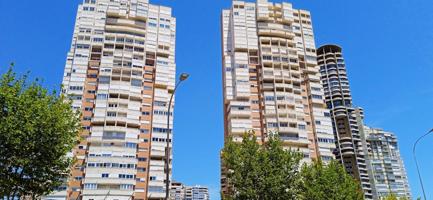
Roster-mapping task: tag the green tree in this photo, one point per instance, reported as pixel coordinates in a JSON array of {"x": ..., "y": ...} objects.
[
  {"x": 393, "y": 196},
  {"x": 390, "y": 197},
  {"x": 257, "y": 172},
  {"x": 37, "y": 130},
  {"x": 328, "y": 181}
]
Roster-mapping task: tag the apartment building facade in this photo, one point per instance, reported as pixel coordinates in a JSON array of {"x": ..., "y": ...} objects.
[
  {"x": 346, "y": 118},
  {"x": 271, "y": 81},
  {"x": 351, "y": 145},
  {"x": 389, "y": 173},
  {"x": 120, "y": 73},
  {"x": 180, "y": 191}
]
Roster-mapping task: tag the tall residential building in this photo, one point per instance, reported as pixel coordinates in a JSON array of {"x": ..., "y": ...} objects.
[
  {"x": 120, "y": 73},
  {"x": 179, "y": 191},
  {"x": 271, "y": 78},
  {"x": 351, "y": 145},
  {"x": 386, "y": 163}
]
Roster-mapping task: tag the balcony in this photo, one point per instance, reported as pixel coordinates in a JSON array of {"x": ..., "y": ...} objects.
[{"x": 276, "y": 33}]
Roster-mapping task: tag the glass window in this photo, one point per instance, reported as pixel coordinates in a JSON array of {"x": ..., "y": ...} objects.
[
  {"x": 136, "y": 82},
  {"x": 91, "y": 186},
  {"x": 104, "y": 79},
  {"x": 126, "y": 187}
]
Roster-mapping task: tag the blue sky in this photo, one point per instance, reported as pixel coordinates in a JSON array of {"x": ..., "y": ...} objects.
[{"x": 388, "y": 47}]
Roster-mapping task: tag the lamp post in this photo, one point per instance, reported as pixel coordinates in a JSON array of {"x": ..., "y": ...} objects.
[
  {"x": 416, "y": 162},
  {"x": 182, "y": 77}
]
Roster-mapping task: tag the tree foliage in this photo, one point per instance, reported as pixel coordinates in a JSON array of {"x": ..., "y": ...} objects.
[
  {"x": 393, "y": 196},
  {"x": 328, "y": 181},
  {"x": 261, "y": 171},
  {"x": 37, "y": 130}
]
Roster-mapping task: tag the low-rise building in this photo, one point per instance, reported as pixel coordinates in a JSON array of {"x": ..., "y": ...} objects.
[{"x": 180, "y": 191}]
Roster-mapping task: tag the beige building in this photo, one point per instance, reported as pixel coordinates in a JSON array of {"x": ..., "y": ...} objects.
[
  {"x": 271, "y": 78},
  {"x": 120, "y": 73}
]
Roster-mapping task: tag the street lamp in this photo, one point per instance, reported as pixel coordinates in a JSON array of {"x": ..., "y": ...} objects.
[
  {"x": 182, "y": 77},
  {"x": 416, "y": 162}
]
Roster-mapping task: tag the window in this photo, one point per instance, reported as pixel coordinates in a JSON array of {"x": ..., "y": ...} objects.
[
  {"x": 104, "y": 79},
  {"x": 130, "y": 145},
  {"x": 136, "y": 82},
  {"x": 160, "y": 103},
  {"x": 112, "y": 105},
  {"x": 314, "y": 96},
  {"x": 75, "y": 87},
  {"x": 326, "y": 158},
  {"x": 126, "y": 176},
  {"x": 157, "y": 189},
  {"x": 160, "y": 130},
  {"x": 152, "y": 178},
  {"x": 111, "y": 114},
  {"x": 75, "y": 97},
  {"x": 126, "y": 187},
  {"x": 142, "y": 159},
  {"x": 327, "y": 114},
  {"x": 326, "y": 140},
  {"x": 105, "y": 175},
  {"x": 91, "y": 186},
  {"x": 102, "y": 96},
  {"x": 301, "y": 127},
  {"x": 315, "y": 88},
  {"x": 139, "y": 42},
  {"x": 113, "y": 135},
  {"x": 83, "y": 46},
  {"x": 162, "y": 62},
  {"x": 269, "y": 98},
  {"x": 272, "y": 124},
  {"x": 98, "y": 39},
  {"x": 318, "y": 122}
]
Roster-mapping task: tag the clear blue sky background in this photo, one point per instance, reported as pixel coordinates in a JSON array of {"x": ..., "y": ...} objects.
[{"x": 388, "y": 47}]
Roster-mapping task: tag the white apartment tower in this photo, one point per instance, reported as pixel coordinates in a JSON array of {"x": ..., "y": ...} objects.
[
  {"x": 120, "y": 73},
  {"x": 271, "y": 78},
  {"x": 386, "y": 163}
]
